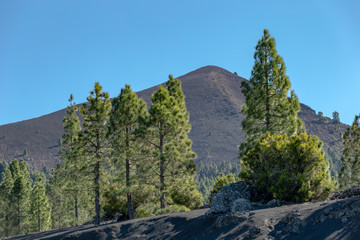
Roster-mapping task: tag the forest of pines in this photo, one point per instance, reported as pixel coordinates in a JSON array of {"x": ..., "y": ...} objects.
[{"x": 122, "y": 159}]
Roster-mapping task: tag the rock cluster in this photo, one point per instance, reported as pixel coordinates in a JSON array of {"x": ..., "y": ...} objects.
[
  {"x": 343, "y": 211},
  {"x": 229, "y": 218},
  {"x": 292, "y": 223},
  {"x": 234, "y": 197},
  {"x": 348, "y": 193}
]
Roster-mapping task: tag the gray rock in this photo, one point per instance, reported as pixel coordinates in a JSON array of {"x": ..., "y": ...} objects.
[
  {"x": 292, "y": 222},
  {"x": 240, "y": 205},
  {"x": 230, "y": 218},
  {"x": 117, "y": 217},
  {"x": 348, "y": 193},
  {"x": 347, "y": 209},
  {"x": 254, "y": 232},
  {"x": 223, "y": 200},
  {"x": 256, "y": 204},
  {"x": 273, "y": 203}
]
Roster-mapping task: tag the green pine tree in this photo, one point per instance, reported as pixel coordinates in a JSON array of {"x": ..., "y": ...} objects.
[
  {"x": 74, "y": 181},
  {"x": 124, "y": 120},
  {"x": 40, "y": 208},
  {"x": 336, "y": 119},
  {"x": 269, "y": 104},
  {"x": 168, "y": 128},
  {"x": 6, "y": 187},
  {"x": 94, "y": 137},
  {"x": 62, "y": 214},
  {"x": 20, "y": 196},
  {"x": 350, "y": 171}
]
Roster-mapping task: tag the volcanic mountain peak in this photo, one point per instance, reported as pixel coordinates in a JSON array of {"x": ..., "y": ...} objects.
[{"x": 213, "y": 99}]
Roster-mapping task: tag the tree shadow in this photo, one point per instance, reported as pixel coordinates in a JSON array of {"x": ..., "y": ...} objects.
[{"x": 330, "y": 228}]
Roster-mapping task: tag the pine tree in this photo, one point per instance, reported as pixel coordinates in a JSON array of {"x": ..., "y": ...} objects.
[
  {"x": 40, "y": 209},
  {"x": 269, "y": 106},
  {"x": 336, "y": 119},
  {"x": 60, "y": 203},
  {"x": 6, "y": 187},
  {"x": 124, "y": 119},
  {"x": 350, "y": 170},
  {"x": 3, "y": 167},
  {"x": 168, "y": 127},
  {"x": 94, "y": 136},
  {"x": 74, "y": 179},
  {"x": 20, "y": 196}
]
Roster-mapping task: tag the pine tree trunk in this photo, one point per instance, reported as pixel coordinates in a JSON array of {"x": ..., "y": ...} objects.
[
  {"x": 267, "y": 103},
  {"x": 128, "y": 184},
  {"x": 18, "y": 219},
  {"x": 7, "y": 226},
  {"x": 76, "y": 211},
  {"x": 97, "y": 191},
  {"x": 162, "y": 173},
  {"x": 38, "y": 205}
]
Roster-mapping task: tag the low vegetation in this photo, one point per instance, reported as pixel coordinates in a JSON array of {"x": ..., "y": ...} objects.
[{"x": 288, "y": 168}]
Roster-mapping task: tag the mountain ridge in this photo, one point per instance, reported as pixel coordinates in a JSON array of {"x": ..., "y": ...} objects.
[{"x": 213, "y": 98}]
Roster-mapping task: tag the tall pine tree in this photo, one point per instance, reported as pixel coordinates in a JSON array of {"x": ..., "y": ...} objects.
[
  {"x": 74, "y": 179},
  {"x": 94, "y": 137},
  {"x": 6, "y": 187},
  {"x": 168, "y": 127},
  {"x": 20, "y": 196},
  {"x": 124, "y": 120},
  {"x": 40, "y": 211},
  {"x": 350, "y": 170},
  {"x": 269, "y": 104}
]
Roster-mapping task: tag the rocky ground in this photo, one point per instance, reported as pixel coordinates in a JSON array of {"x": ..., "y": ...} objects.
[{"x": 235, "y": 218}]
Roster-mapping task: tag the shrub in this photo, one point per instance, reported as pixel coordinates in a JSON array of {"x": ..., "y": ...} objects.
[
  {"x": 185, "y": 193},
  {"x": 288, "y": 168}
]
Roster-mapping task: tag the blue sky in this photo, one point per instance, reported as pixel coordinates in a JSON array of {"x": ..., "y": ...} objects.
[{"x": 49, "y": 49}]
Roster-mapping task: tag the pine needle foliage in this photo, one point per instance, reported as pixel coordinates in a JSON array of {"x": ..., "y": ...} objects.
[
  {"x": 74, "y": 184},
  {"x": 288, "y": 168},
  {"x": 40, "y": 211},
  {"x": 94, "y": 137},
  {"x": 166, "y": 129},
  {"x": 350, "y": 171},
  {"x": 270, "y": 104},
  {"x": 126, "y": 146}
]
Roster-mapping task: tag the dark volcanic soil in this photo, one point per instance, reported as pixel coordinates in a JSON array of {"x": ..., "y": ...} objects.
[{"x": 332, "y": 219}]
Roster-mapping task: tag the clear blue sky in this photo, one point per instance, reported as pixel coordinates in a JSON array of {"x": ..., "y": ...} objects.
[{"x": 49, "y": 49}]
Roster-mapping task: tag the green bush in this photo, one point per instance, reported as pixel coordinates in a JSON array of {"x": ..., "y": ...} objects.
[
  {"x": 185, "y": 193},
  {"x": 288, "y": 168}
]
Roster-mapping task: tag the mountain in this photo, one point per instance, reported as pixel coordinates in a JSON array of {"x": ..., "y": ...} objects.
[{"x": 214, "y": 100}]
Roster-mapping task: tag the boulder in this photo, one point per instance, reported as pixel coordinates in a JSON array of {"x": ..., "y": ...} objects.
[
  {"x": 274, "y": 203},
  {"x": 224, "y": 200},
  {"x": 240, "y": 205}
]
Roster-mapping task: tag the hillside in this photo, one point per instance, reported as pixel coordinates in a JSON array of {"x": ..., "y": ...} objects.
[
  {"x": 332, "y": 219},
  {"x": 214, "y": 100}
]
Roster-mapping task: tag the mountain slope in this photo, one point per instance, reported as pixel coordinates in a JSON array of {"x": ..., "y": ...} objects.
[
  {"x": 331, "y": 219},
  {"x": 213, "y": 98}
]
